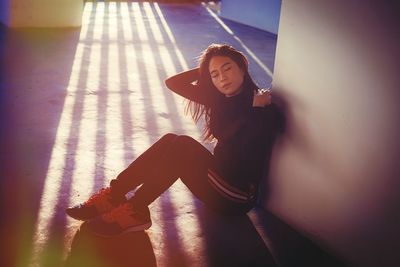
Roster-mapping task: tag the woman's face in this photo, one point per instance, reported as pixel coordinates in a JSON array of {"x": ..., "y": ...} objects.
[{"x": 226, "y": 75}]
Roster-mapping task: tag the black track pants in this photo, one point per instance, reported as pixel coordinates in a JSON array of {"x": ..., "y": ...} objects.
[{"x": 172, "y": 157}]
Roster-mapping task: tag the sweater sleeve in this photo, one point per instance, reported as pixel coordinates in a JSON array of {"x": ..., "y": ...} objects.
[
  {"x": 184, "y": 84},
  {"x": 267, "y": 118},
  {"x": 259, "y": 135},
  {"x": 261, "y": 125}
]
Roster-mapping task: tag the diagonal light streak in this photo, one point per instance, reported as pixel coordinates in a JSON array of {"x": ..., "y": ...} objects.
[
  {"x": 179, "y": 193},
  {"x": 167, "y": 64},
  {"x": 99, "y": 17},
  {"x": 57, "y": 163},
  {"x": 248, "y": 50},
  {"x": 153, "y": 80},
  {"x": 82, "y": 174},
  {"x": 56, "y": 167},
  {"x": 114, "y": 160},
  {"x": 136, "y": 96},
  {"x": 182, "y": 61}
]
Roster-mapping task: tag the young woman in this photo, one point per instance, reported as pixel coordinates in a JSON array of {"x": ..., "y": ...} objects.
[{"x": 237, "y": 114}]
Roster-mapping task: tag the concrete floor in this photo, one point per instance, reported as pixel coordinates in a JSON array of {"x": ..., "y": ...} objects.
[{"x": 78, "y": 105}]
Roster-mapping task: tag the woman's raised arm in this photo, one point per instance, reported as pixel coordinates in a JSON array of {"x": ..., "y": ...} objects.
[{"x": 184, "y": 85}]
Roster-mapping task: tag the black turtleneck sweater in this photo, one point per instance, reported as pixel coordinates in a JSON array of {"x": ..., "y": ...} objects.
[{"x": 245, "y": 134}]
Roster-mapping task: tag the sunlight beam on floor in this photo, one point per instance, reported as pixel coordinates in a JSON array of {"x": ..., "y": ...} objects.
[
  {"x": 166, "y": 54},
  {"x": 85, "y": 153},
  {"x": 84, "y": 156},
  {"x": 58, "y": 161},
  {"x": 182, "y": 61},
  {"x": 187, "y": 226},
  {"x": 87, "y": 10},
  {"x": 136, "y": 97},
  {"x": 153, "y": 24},
  {"x": 56, "y": 167},
  {"x": 186, "y": 124},
  {"x": 112, "y": 16},
  {"x": 114, "y": 153},
  {"x": 151, "y": 70}
]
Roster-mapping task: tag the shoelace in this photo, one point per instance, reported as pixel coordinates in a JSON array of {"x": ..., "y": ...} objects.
[
  {"x": 100, "y": 198},
  {"x": 120, "y": 211}
]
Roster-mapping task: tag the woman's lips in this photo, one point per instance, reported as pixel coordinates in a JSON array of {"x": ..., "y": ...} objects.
[{"x": 226, "y": 85}]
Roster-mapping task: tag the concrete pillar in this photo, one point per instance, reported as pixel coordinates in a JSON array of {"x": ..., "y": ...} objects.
[
  {"x": 41, "y": 13},
  {"x": 335, "y": 173}
]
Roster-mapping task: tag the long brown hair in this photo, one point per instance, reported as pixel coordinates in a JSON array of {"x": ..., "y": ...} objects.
[{"x": 211, "y": 92}]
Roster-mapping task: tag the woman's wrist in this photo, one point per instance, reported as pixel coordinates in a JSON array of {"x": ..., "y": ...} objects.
[{"x": 262, "y": 98}]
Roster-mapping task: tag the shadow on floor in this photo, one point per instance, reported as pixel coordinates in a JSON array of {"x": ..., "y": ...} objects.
[
  {"x": 234, "y": 241},
  {"x": 35, "y": 66},
  {"x": 289, "y": 247},
  {"x": 131, "y": 249},
  {"x": 229, "y": 241}
]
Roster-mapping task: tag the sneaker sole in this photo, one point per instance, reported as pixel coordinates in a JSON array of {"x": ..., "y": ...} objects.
[
  {"x": 137, "y": 228},
  {"x": 80, "y": 218}
]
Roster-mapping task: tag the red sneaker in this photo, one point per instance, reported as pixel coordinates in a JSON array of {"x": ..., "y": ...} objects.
[
  {"x": 120, "y": 220},
  {"x": 99, "y": 203}
]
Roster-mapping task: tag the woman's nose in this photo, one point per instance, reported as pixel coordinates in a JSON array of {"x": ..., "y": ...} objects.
[{"x": 222, "y": 77}]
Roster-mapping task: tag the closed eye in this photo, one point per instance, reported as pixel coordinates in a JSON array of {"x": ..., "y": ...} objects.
[{"x": 227, "y": 68}]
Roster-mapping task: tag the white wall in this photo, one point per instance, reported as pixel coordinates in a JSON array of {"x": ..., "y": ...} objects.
[
  {"x": 336, "y": 172},
  {"x": 42, "y": 13},
  {"x": 262, "y": 14}
]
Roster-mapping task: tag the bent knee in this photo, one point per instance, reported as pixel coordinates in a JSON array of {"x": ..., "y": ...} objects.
[
  {"x": 189, "y": 146},
  {"x": 186, "y": 140},
  {"x": 169, "y": 136}
]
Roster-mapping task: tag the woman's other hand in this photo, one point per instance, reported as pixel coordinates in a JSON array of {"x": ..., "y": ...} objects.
[{"x": 262, "y": 98}]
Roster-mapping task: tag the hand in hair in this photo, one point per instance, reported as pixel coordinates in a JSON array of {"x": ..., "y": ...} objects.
[{"x": 262, "y": 98}]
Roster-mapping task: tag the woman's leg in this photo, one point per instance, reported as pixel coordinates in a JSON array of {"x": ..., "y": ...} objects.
[
  {"x": 108, "y": 198},
  {"x": 185, "y": 158},
  {"x": 190, "y": 161},
  {"x": 134, "y": 175}
]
